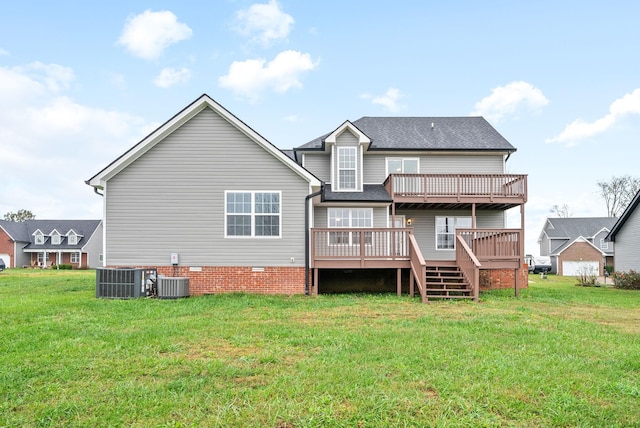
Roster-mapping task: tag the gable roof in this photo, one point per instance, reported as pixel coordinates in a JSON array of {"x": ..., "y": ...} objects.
[
  {"x": 579, "y": 239},
  {"x": 425, "y": 133},
  {"x": 204, "y": 101},
  {"x": 573, "y": 227},
  {"x": 624, "y": 217},
  {"x": 24, "y": 231}
]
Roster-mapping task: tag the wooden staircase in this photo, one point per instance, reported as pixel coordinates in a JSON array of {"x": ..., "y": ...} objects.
[{"x": 446, "y": 282}]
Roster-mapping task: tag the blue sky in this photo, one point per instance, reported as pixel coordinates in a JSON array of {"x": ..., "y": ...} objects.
[{"x": 81, "y": 82}]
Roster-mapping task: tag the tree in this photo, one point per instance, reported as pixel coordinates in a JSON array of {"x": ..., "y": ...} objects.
[
  {"x": 618, "y": 193},
  {"x": 561, "y": 211},
  {"x": 19, "y": 216}
]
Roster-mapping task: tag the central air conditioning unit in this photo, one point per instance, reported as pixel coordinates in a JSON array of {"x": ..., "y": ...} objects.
[
  {"x": 173, "y": 288},
  {"x": 125, "y": 283}
]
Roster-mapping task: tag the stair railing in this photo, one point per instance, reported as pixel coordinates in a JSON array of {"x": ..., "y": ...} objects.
[
  {"x": 418, "y": 267},
  {"x": 469, "y": 266}
]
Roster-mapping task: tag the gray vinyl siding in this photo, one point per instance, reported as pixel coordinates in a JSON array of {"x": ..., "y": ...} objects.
[
  {"x": 21, "y": 258},
  {"x": 627, "y": 251},
  {"x": 94, "y": 248},
  {"x": 320, "y": 216},
  {"x": 319, "y": 164},
  {"x": 544, "y": 246},
  {"x": 374, "y": 168},
  {"x": 172, "y": 199},
  {"x": 375, "y": 165},
  {"x": 424, "y": 228},
  {"x": 462, "y": 164}
]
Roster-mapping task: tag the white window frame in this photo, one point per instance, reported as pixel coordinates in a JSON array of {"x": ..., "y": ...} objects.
[
  {"x": 75, "y": 258},
  {"x": 56, "y": 238},
  {"x": 39, "y": 238},
  {"x": 402, "y": 167},
  {"x": 339, "y": 153},
  {"x": 41, "y": 259},
  {"x": 253, "y": 214},
  {"x": 347, "y": 223},
  {"x": 604, "y": 245},
  {"x": 455, "y": 220},
  {"x": 72, "y": 238}
]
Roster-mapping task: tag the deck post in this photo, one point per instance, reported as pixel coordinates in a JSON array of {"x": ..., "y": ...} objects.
[
  {"x": 517, "y": 282},
  {"x": 411, "y": 283},
  {"x": 315, "y": 282},
  {"x": 399, "y": 282}
]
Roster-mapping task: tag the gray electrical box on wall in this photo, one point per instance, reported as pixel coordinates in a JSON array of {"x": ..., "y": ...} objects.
[{"x": 174, "y": 258}]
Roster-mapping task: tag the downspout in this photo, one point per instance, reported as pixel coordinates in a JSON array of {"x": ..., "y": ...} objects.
[
  {"x": 95, "y": 190},
  {"x": 307, "y": 231}
]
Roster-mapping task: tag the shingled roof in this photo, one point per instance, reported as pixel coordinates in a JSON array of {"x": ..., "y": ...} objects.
[
  {"x": 23, "y": 232},
  {"x": 573, "y": 227},
  {"x": 426, "y": 133}
]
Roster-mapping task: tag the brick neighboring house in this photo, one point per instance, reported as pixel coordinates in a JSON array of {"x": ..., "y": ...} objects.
[
  {"x": 46, "y": 243},
  {"x": 577, "y": 243},
  {"x": 413, "y": 197}
]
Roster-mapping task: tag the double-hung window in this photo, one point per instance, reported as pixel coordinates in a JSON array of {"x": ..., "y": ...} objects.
[
  {"x": 446, "y": 231},
  {"x": 72, "y": 238},
  {"x": 252, "y": 214},
  {"x": 75, "y": 258},
  {"x": 347, "y": 168},
  {"x": 55, "y": 238},
  {"x": 350, "y": 218}
]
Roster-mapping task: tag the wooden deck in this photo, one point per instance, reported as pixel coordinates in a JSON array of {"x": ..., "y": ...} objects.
[
  {"x": 501, "y": 191},
  {"x": 397, "y": 248}
]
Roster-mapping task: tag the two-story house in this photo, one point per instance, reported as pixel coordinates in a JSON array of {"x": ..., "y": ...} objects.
[
  {"x": 577, "y": 245},
  {"x": 46, "y": 243},
  {"x": 425, "y": 195},
  {"x": 420, "y": 197}
]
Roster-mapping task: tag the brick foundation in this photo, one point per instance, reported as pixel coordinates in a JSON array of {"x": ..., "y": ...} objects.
[
  {"x": 238, "y": 279},
  {"x": 492, "y": 279}
]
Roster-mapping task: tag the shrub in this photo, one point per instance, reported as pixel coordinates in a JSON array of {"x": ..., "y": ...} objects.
[
  {"x": 64, "y": 267},
  {"x": 587, "y": 278},
  {"x": 627, "y": 280}
]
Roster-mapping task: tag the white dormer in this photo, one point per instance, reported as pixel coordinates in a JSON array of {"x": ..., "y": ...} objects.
[
  {"x": 55, "y": 237},
  {"x": 72, "y": 237},
  {"x": 38, "y": 237},
  {"x": 347, "y": 144}
]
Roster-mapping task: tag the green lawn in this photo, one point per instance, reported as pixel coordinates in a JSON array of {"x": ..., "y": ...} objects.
[{"x": 560, "y": 355}]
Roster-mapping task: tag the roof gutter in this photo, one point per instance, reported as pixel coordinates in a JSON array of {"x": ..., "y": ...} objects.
[{"x": 307, "y": 232}]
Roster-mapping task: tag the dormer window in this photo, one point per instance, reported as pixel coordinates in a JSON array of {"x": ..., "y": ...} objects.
[
  {"x": 72, "y": 237},
  {"x": 39, "y": 237},
  {"x": 347, "y": 161},
  {"x": 55, "y": 237}
]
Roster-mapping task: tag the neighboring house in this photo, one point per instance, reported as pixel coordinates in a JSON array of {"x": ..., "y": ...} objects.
[
  {"x": 46, "y": 243},
  {"x": 414, "y": 196},
  {"x": 577, "y": 245},
  {"x": 625, "y": 235}
]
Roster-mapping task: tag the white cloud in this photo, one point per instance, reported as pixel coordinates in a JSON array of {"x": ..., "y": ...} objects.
[
  {"x": 579, "y": 129},
  {"x": 249, "y": 78},
  {"x": 148, "y": 34},
  {"x": 50, "y": 143},
  {"x": 508, "y": 99},
  {"x": 170, "y": 76},
  {"x": 4, "y": 52},
  {"x": 389, "y": 100},
  {"x": 264, "y": 23}
]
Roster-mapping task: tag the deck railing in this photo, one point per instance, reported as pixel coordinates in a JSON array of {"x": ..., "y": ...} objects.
[
  {"x": 427, "y": 186},
  {"x": 360, "y": 243},
  {"x": 493, "y": 244},
  {"x": 418, "y": 268}
]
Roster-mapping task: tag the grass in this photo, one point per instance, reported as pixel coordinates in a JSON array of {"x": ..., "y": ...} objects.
[{"x": 560, "y": 355}]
